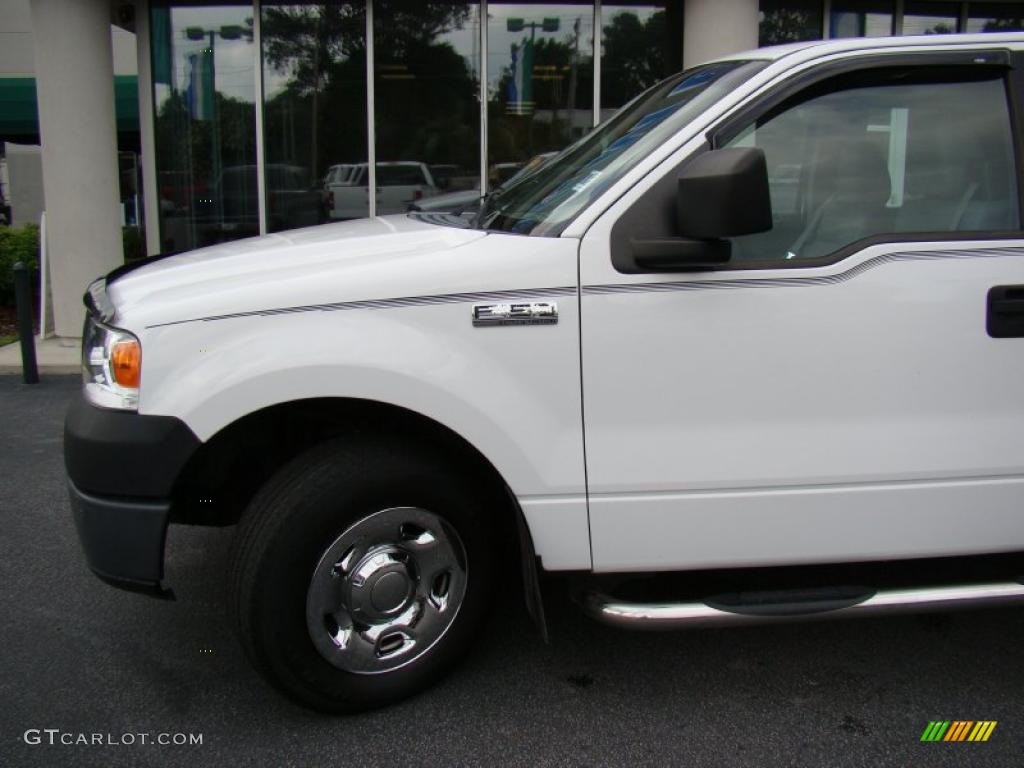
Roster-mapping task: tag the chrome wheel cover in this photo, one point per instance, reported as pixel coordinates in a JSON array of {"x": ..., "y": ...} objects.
[{"x": 386, "y": 590}]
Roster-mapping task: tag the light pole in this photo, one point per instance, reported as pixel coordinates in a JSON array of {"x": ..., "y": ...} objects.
[{"x": 547, "y": 24}]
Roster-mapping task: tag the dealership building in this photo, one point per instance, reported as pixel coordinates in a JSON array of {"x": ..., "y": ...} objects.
[{"x": 182, "y": 124}]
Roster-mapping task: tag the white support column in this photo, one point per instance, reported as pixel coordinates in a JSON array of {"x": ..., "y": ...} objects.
[
  {"x": 715, "y": 28},
  {"x": 484, "y": 95},
  {"x": 261, "y": 157},
  {"x": 598, "y": 34},
  {"x": 371, "y": 117},
  {"x": 75, "y": 92},
  {"x": 150, "y": 188}
]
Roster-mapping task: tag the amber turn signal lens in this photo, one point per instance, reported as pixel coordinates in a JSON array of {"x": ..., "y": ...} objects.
[{"x": 126, "y": 362}]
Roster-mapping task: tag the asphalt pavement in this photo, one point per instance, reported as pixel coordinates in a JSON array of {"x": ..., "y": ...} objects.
[{"x": 81, "y": 661}]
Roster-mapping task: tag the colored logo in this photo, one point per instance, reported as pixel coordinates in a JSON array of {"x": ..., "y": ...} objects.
[{"x": 958, "y": 730}]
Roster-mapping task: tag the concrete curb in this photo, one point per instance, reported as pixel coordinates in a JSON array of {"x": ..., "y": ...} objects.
[
  {"x": 52, "y": 370},
  {"x": 54, "y": 356}
]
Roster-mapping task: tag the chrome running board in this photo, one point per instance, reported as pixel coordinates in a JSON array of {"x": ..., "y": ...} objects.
[{"x": 763, "y": 608}]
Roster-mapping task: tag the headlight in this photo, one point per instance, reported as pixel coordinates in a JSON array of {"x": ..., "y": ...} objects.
[{"x": 111, "y": 366}]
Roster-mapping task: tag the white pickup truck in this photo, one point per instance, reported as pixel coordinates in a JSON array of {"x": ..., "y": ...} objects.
[
  {"x": 625, "y": 363},
  {"x": 399, "y": 185}
]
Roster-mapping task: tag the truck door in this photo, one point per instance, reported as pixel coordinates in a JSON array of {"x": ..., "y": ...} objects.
[{"x": 850, "y": 386}]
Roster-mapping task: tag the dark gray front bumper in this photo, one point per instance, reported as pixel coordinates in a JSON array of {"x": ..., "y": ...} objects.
[
  {"x": 122, "y": 468},
  {"x": 123, "y": 539}
]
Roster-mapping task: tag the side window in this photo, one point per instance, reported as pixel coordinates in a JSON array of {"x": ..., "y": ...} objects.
[{"x": 915, "y": 150}]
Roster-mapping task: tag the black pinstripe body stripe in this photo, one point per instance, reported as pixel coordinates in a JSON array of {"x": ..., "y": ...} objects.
[
  {"x": 396, "y": 303},
  {"x": 612, "y": 288}
]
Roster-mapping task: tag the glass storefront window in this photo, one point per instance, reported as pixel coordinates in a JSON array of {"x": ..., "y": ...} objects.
[
  {"x": 314, "y": 84},
  {"x": 427, "y": 94},
  {"x": 540, "y": 82},
  {"x": 427, "y": 89},
  {"x": 640, "y": 45},
  {"x": 995, "y": 17},
  {"x": 204, "y": 85},
  {"x": 789, "y": 21},
  {"x": 861, "y": 18}
]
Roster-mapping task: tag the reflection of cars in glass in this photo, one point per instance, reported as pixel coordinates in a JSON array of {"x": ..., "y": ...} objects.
[
  {"x": 399, "y": 184},
  {"x": 180, "y": 190},
  {"x": 468, "y": 198},
  {"x": 462, "y": 200},
  {"x": 444, "y": 173},
  {"x": 232, "y": 207},
  {"x": 340, "y": 173},
  {"x": 623, "y": 366},
  {"x": 292, "y": 201},
  {"x": 502, "y": 172}
]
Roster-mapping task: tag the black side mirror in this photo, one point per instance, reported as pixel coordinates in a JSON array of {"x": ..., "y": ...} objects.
[
  {"x": 724, "y": 193},
  {"x": 720, "y": 194}
]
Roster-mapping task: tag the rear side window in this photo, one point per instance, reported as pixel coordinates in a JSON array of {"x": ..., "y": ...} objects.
[{"x": 884, "y": 152}]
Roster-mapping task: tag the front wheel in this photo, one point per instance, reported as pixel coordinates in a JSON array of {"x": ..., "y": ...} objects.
[{"x": 361, "y": 574}]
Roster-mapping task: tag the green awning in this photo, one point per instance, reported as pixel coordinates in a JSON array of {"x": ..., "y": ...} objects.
[{"x": 19, "y": 116}]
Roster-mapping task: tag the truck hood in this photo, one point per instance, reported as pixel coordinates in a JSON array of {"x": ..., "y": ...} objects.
[{"x": 366, "y": 259}]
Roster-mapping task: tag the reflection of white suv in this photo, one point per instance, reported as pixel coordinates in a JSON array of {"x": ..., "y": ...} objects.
[
  {"x": 622, "y": 365},
  {"x": 336, "y": 174},
  {"x": 399, "y": 185}
]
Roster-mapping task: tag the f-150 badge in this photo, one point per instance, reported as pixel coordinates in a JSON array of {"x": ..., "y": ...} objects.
[{"x": 521, "y": 313}]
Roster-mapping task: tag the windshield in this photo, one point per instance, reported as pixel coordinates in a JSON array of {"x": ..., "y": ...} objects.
[{"x": 544, "y": 201}]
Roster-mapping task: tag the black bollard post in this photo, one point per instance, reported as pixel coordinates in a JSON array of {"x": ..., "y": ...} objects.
[{"x": 23, "y": 300}]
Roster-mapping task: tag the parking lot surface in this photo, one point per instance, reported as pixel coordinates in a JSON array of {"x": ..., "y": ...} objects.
[{"x": 85, "y": 659}]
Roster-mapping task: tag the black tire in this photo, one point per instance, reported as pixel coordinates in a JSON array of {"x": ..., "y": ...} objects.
[{"x": 289, "y": 525}]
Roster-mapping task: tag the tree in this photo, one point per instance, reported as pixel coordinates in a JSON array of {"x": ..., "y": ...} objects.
[
  {"x": 321, "y": 48},
  {"x": 634, "y": 56},
  {"x": 786, "y": 25},
  {"x": 303, "y": 41},
  {"x": 519, "y": 137},
  {"x": 1006, "y": 24}
]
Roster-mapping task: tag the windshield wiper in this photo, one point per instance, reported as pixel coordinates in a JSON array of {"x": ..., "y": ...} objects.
[
  {"x": 488, "y": 197},
  {"x": 478, "y": 201}
]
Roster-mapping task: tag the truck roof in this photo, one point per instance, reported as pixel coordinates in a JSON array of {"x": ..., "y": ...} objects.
[{"x": 826, "y": 47}]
